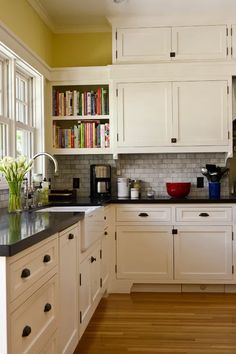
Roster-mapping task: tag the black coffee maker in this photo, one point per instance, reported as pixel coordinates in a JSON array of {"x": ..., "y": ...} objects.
[{"x": 100, "y": 181}]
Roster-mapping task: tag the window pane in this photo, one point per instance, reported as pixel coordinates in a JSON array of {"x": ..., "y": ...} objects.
[
  {"x": 23, "y": 143},
  {"x": 22, "y": 100},
  {"x": 3, "y": 140}
]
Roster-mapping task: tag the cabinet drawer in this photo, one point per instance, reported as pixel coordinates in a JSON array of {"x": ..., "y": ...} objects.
[
  {"x": 34, "y": 321},
  {"x": 204, "y": 215},
  {"x": 27, "y": 269},
  {"x": 143, "y": 213}
]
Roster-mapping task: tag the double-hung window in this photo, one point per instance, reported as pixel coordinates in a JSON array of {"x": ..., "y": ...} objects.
[{"x": 21, "y": 107}]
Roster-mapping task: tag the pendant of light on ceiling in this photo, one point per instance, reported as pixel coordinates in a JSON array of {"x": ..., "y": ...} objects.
[{"x": 118, "y": 1}]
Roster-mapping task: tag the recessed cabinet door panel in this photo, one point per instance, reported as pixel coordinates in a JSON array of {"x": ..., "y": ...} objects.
[
  {"x": 200, "y": 114},
  {"x": 199, "y": 42},
  {"x": 144, "y": 114},
  {"x": 143, "y": 44},
  {"x": 203, "y": 253},
  {"x": 144, "y": 252}
]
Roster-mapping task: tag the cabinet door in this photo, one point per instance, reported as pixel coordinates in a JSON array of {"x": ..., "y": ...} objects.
[
  {"x": 233, "y": 43},
  {"x": 203, "y": 253},
  {"x": 105, "y": 260},
  {"x": 85, "y": 299},
  {"x": 68, "y": 330},
  {"x": 143, "y": 44},
  {"x": 200, "y": 114},
  {"x": 144, "y": 252},
  {"x": 199, "y": 42},
  {"x": 144, "y": 114}
]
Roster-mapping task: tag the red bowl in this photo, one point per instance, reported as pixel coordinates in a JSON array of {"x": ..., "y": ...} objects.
[{"x": 178, "y": 189}]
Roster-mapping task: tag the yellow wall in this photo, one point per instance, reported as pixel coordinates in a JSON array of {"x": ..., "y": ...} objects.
[
  {"x": 21, "y": 19},
  {"x": 57, "y": 50},
  {"x": 82, "y": 49}
]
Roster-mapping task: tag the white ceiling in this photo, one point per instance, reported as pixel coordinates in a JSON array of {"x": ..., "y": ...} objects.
[{"x": 92, "y": 15}]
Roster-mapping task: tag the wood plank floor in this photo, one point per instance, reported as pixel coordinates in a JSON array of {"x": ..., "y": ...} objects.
[{"x": 146, "y": 323}]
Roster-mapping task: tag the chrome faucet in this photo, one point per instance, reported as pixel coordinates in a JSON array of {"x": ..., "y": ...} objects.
[{"x": 42, "y": 154}]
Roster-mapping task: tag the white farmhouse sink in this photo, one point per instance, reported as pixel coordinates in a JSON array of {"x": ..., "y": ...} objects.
[
  {"x": 55, "y": 209},
  {"x": 92, "y": 225}
]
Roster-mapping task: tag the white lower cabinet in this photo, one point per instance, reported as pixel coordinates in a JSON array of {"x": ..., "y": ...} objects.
[
  {"x": 144, "y": 252},
  {"x": 68, "y": 290},
  {"x": 203, "y": 253},
  {"x": 194, "y": 245},
  {"x": 90, "y": 285}
]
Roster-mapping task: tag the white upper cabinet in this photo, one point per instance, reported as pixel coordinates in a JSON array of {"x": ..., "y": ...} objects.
[
  {"x": 170, "y": 116},
  {"x": 200, "y": 113},
  {"x": 143, "y": 44},
  {"x": 199, "y": 42},
  {"x": 144, "y": 114},
  {"x": 153, "y": 44}
]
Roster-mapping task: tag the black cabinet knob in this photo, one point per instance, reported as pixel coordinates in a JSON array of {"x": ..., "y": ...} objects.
[
  {"x": 25, "y": 273},
  {"x": 70, "y": 236},
  {"x": 46, "y": 258},
  {"x": 93, "y": 259},
  {"x": 143, "y": 215},
  {"x": 105, "y": 233},
  {"x": 26, "y": 331},
  {"x": 204, "y": 215},
  {"x": 47, "y": 307},
  {"x": 173, "y": 140}
]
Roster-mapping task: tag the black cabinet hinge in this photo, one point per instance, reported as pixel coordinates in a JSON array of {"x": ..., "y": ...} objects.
[
  {"x": 227, "y": 51},
  {"x": 174, "y": 231},
  {"x": 116, "y": 268},
  {"x": 116, "y": 54},
  {"x": 232, "y": 236},
  {"x": 231, "y": 50},
  {"x": 227, "y": 89},
  {"x": 100, "y": 282},
  {"x": 115, "y": 235},
  {"x": 80, "y": 279},
  {"x": 231, "y": 31},
  {"x": 116, "y": 35},
  {"x": 232, "y": 269},
  {"x": 80, "y": 317},
  {"x": 117, "y": 92},
  {"x": 100, "y": 254},
  {"x": 227, "y": 31}
]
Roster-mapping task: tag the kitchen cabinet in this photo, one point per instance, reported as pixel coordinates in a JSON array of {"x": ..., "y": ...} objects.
[
  {"x": 177, "y": 244},
  {"x": 172, "y": 116},
  {"x": 68, "y": 289},
  {"x": 90, "y": 284},
  {"x": 203, "y": 253},
  {"x": 180, "y": 43},
  {"x": 144, "y": 252},
  {"x": 32, "y": 300}
]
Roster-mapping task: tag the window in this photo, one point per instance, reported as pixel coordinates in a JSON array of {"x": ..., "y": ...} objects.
[{"x": 21, "y": 107}]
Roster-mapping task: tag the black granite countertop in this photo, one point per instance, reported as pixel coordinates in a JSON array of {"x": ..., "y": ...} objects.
[{"x": 19, "y": 231}]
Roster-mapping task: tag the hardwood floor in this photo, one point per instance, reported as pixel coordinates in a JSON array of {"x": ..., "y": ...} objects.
[{"x": 162, "y": 323}]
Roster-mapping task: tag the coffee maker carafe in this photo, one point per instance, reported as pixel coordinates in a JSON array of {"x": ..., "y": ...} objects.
[{"x": 100, "y": 181}]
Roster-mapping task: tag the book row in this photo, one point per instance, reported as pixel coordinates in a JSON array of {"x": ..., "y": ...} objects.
[
  {"x": 75, "y": 103},
  {"x": 82, "y": 135}
]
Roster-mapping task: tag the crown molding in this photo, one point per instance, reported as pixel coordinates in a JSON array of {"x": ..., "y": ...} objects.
[
  {"x": 82, "y": 29},
  {"x": 41, "y": 11},
  {"x": 8, "y": 38}
]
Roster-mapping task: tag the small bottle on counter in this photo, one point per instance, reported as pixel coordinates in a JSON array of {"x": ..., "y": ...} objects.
[{"x": 134, "y": 193}]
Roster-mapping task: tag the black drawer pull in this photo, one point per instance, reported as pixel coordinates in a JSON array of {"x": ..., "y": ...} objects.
[
  {"x": 46, "y": 258},
  {"x": 26, "y": 331},
  {"x": 25, "y": 273},
  {"x": 47, "y": 307},
  {"x": 105, "y": 233},
  {"x": 93, "y": 259},
  {"x": 143, "y": 214},
  {"x": 204, "y": 215},
  {"x": 71, "y": 236}
]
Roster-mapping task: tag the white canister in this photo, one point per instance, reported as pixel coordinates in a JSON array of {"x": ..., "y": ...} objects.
[
  {"x": 134, "y": 193},
  {"x": 123, "y": 187}
]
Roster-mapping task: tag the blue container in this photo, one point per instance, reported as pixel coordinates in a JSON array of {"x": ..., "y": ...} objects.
[{"x": 214, "y": 190}]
